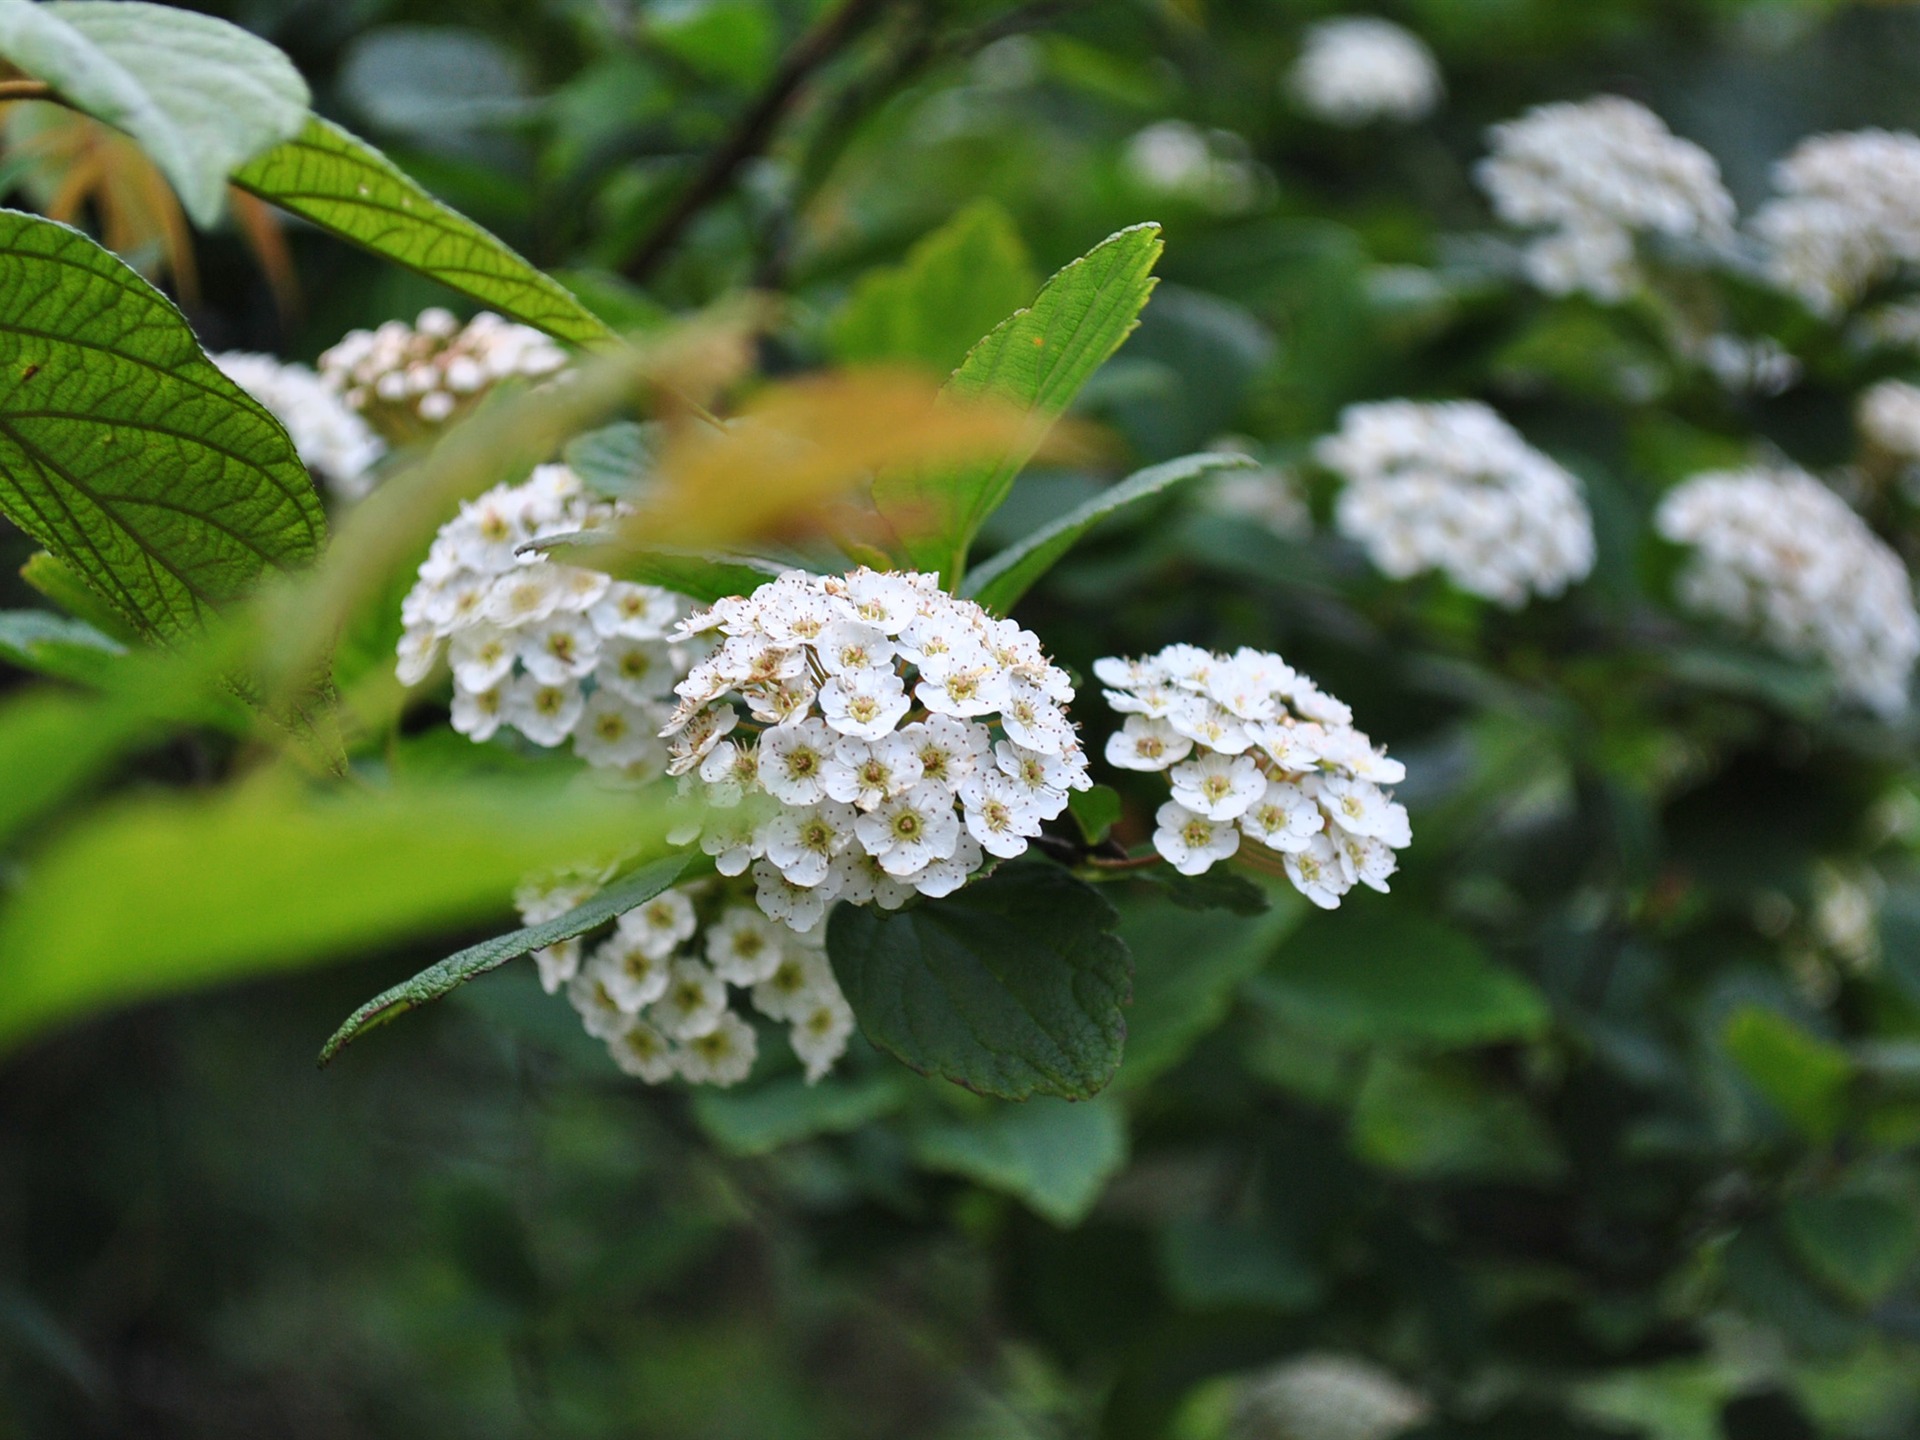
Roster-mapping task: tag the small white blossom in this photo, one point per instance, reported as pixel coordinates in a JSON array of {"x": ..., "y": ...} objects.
[
  {"x": 1219, "y": 787},
  {"x": 1846, "y": 217},
  {"x": 692, "y": 1003},
  {"x": 408, "y": 381},
  {"x": 643, "y": 1052},
  {"x": 1358, "y": 69},
  {"x": 744, "y": 947},
  {"x": 660, "y": 925},
  {"x": 721, "y": 1056},
  {"x": 1192, "y": 843},
  {"x": 820, "y": 1032}
]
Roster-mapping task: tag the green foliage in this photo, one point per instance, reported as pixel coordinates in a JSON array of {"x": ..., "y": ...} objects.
[
  {"x": 1860, "y": 1243},
  {"x": 784, "y": 1111},
  {"x": 1001, "y": 581},
  {"x": 1038, "y": 359},
  {"x": 201, "y": 96},
  {"x": 1012, "y": 987},
  {"x": 102, "y": 368},
  {"x": 955, "y": 285},
  {"x": 476, "y": 960},
  {"x": 56, "y": 647},
  {"x": 1434, "y": 1120},
  {"x": 1804, "y": 1077},
  {"x": 1055, "y": 1156},
  {"x": 340, "y": 183}
]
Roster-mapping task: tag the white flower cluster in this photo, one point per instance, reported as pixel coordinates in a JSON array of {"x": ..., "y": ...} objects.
[
  {"x": 408, "y": 380},
  {"x": 1779, "y": 553},
  {"x": 1593, "y": 176},
  {"x": 1847, "y": 216},
  {"x": 1359, "y": 69},
  {"x": 1257, "y": 751},
  {"x": 659, "y": 988},
  {"x": 1450, "y": 486},
  {"x": 1321, "y": 1395},
  {"x": 1211, "y": 168},
  {"x": 330, "y": 439},
  {"x": 1889, "y": 416},
  {"x": 554, "y": 651},
  {"x": 892, "y": 738}
]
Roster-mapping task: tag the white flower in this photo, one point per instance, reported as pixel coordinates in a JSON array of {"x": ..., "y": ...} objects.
[
  {"x": 481, "y": 657},
  {"x": 632, "y": 973},
  {"x": 1219, "y": 787},
  {"x": 643, "y": 1052},
  {"x": 1317, "y": 873},
  {"x": 729, "y": 771},
  {"x": 418, "y": 649},
  {"x": 557, "y": 964},
  {"x": 1778, "y": 553},
  {"x": 1593, "y": 176},
  {"x": 1889, "y": 416},
  {"x": 820, "y": 1033},
  {"x": 859, "y": 879},
  {"x": 721, "y": 1056},
  {"x": 911, "y": 830},
  {"x": 1146, "y": 744},
  {"x": 693, "y": 1002},
  {"x": 802, "y": 842},
  {"x": 409, "y": 380},
  {"x": 659, "y": 925},
  {"x": 1357, "y": 69},
  {"x": 331, "y": 440},
  {"x": 864, "y": 704},
  {"x": 733, "y": 838},
  {"x": 1358, "y": 806},
  {"x": 633, "y": 612},
  {"x": 743, "y": 947},
  {"x": 1285, "y": 818},
  {"x": 1847, "y": 216},
  {"x": 799, "y": 907},
  {"x": 794, "y": 761},
  {"x": 615, "y": 733},
  {"x": 948, "y": 750},
  {"x": 600, "y": 1012},
  {"x": 545, "y": 714},
  {"x": 800, "y": 980},
  {"x": 476, "y": 714},
  {"x": 1450, "y": 486},
  {"x": 863, "y": 773},
  {"x": 1192, "y": 843},
  {"x": 558, "y": 649},
  {"x": 853, "y": 648},
  {"x": 999, "y": 813},
  {"x": 524, "y": 596}
]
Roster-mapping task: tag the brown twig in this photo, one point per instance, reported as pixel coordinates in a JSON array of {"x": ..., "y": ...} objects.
[
  {"x": 25, "y": 90},
  {"x": 811, "y": 51}
]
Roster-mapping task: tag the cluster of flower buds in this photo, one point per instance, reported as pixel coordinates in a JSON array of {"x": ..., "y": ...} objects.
[
  {"x": 331, "y": 440},
  {"x": 660, "y": 988},
  {"x": 409, "y": 380},
  {"x": 553, "y": 651},
  {"x": 866, "y": 737},
  {"x": 1256, "y": 751}
]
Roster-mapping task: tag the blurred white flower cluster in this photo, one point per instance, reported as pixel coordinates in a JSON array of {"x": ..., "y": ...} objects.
[
  {"x": 1450, "y": 486},
  {"x": 1889, "y": 415},
  {"x": 553, "y": 651},
  {"x": 892, "y": 738},
  {"x": 409, "y": 379},
  {"x": 1847, "y": 216},
  {"x": 1210, "y": 168},
  {"x": 1595, "y": 175},
  {"x": 1257, "y": 751},
  {"x": 659, "y": 989},
  {"x": 332, "y": 441},
  {"x": 1359, "y": 69},
  {"x": 1324, "y": 1395},
  {"x": 1777, "y": 552}
]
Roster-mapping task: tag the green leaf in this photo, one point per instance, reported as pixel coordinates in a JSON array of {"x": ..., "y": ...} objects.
[
  {"x": 56, "y": 580},
  {"x": 702, "y": 574},
  {"x": 955, "y": 285},
  {"x": 788, "y": 1110},
  {"x": 201, "y": 96},
  {"x": 476, "y": 960},
  {"x": 1440, "y": 1119},
  {"x": 1186, "y": 970},
  {"x": 1217, "y": 889},
  {"x": 1762, "y": 1274},
  {"x": 1038, "y": 359},
  {"x": 1053, "y": 1155},
  {"x": 55, "y": 646},
  {"x": 1804, "y": 1077},
  {"x": 155, "y": 895},
  {"x": 1377, "y": 975},
  {"x": 1001, "y": 581},
  {"x": 1860, "y": 1244},
  {"x": 1012, "y": 987},
  {"x": 342, "y": 184},
  {"x": 1212, "y": 1264},
  {"x": 1096, "y": 810},
  {"x": 614, "y": 460},
  {"x": 124, "y": 450}
]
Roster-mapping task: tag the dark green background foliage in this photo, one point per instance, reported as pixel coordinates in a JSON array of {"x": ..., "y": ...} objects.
[{"x": 1589, "y": 1130}]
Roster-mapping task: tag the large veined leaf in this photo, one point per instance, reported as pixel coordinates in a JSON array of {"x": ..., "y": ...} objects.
[
  {"x": 124, "y": 450},
  {"x": 476, "y": 960},
  {"x": 954, "y": 287},
  {"x": 1010, "y": 574},
  {"x": 342, "y": 184},
  {"x": 1055, "y": 1156},
  {"x": 201, "y": 96},
  {"x": 155, "y": 895},
  {"x": 1038, "y": 359},
  {"x": 1012, "y": 987}
]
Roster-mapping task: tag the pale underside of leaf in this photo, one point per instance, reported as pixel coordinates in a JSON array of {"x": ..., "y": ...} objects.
[
  {"x": 124, "y": 450},
  {"x": 344, "y": 185}
]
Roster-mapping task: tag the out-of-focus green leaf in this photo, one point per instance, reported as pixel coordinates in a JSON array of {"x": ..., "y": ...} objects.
[
  {"x": 1804, "y": 1077},
  {"x": 1095, "y": 810},
  {"x": 730, "y": 40},
  {"x": 1000, "y": 582},
  {"x": 1218, "y": 889},
  {"x": 161, "y": 894},
  {"x": 1212, "y": 1264},
  {"x": 614, "y": 460},
  {"x": 1186, "y": 968},
  {"x": 55, "y": 646},
  {"x": 456, "y": 970},
  {"x": 55, "y": 579},
  {"x": 1379, "y": 974},
  {"x": 788, "y": 1110},
  {"x": 200, "y": 95},
  {"x": 1011, "y": 987},
  {"x": 1762, "y": 1275},
  {"x": 124, "y": 450},
  {"x": 954, "y": 287},
  {"x": 1055, "y": 1156},
  {"x": 1860, "y": 1243},
  {"x": 1439, "y": 1119},
  {"x": 1037, "y": 359},
  {"x": 432, "y": 82},
  {"x": 703, "y": 574},
  {"x": 344, "y": 185}
]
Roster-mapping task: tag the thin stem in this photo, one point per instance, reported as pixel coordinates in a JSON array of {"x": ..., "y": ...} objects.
[
  {"x": 25, "y": 90},
  {"x": 1119, "y": 867}
]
